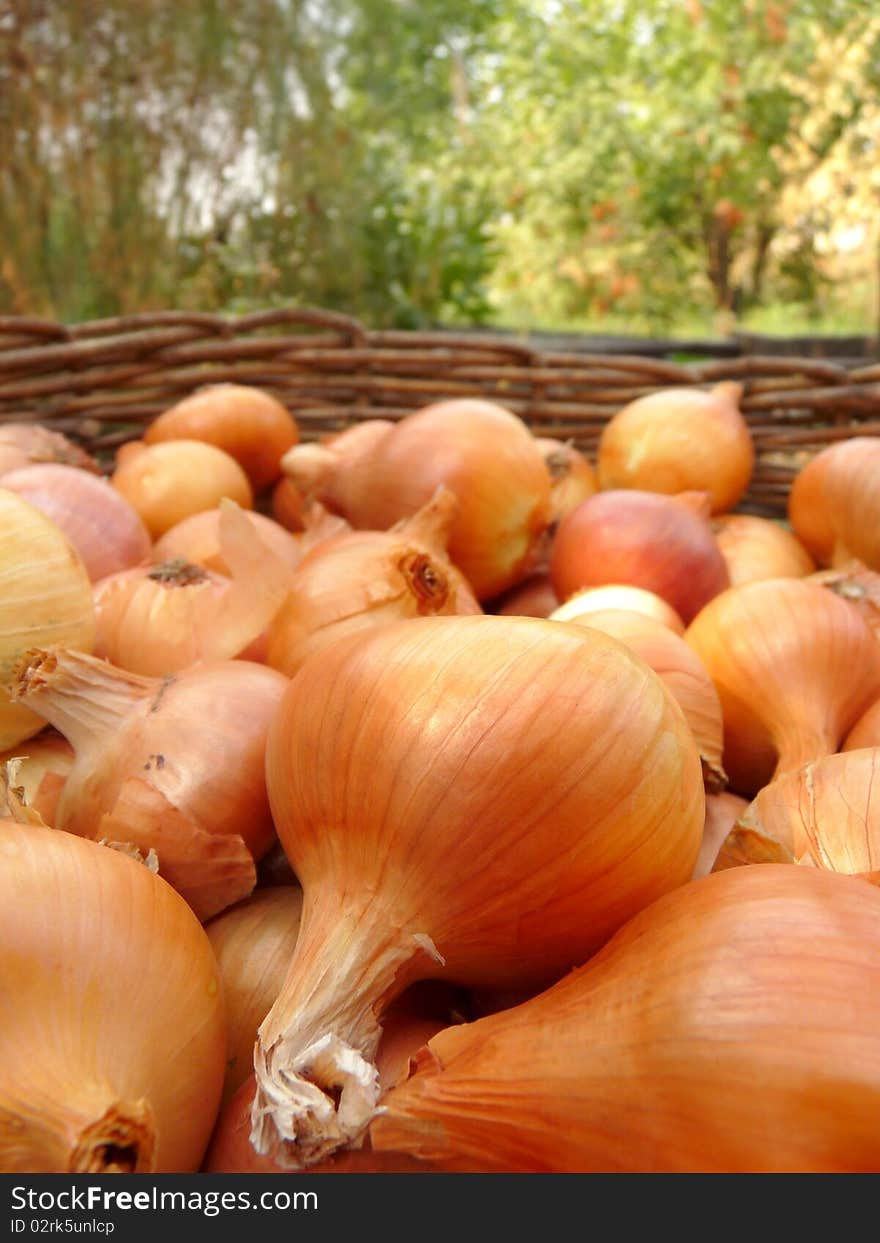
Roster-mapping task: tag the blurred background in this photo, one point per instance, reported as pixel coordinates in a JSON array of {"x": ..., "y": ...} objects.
[{"x": 698, "y": 167}]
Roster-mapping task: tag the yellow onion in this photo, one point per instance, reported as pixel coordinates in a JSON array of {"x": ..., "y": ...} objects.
[
  {"x": 45, "y": 598},
  {"x": 112, "y": 1040},
  {"x": 198, "y": 541},
  {"x": 834, "y": 504},
  {"x": 826, "y": 815},
  {"x": 572, "y": 478},
  {"x": 364, "y": 579},
  {"x": 287, "y": 505},
  {"x": 755, "y": 548},
  {"x": 732, "y": 1027},
  {"x": 249, "y": 424},
  {"x": 167, "y": 482},
  {"x": 679, "y": 440},
  {"x": 479, "y": 450},
  {"x": 794, "y": 667},
  {"x": 681, "y": 672},
  {"x": 253, "y": 942},
  {"x": 547, "y": 756},
  {"x": 619, "y": 596},
  {"x": 858, "y": 585},
  {"x": 806, "y": 509},
  {"x": 43, "y": 764},
  {"x": 174, "y": 764}
]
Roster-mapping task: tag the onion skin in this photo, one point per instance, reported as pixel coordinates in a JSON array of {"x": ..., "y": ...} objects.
[
  {"x": 732, "y": 1027},
  {"x": 197, "y": 540},
  {"x": 722, "y": 813},
  {"x": 253, "y": 942},
  {"x": 44, "y": 763},
  {"x": 680, "y": 440},
  {"x": 173, "y": 764},
  {"x": 533, "y": 598},
  {"x": 104, "y": 529},
  {"x": 755, "y": 548},
  {"x": 437, "y": 739},
  {"x": 618, "y": 596},
  {"x": 287, "y": 505},
  {"x": 249, "y": 424},
  {"x": 111, "y": 1020},
  {"x": 794, "y": 667},
  {"x": 856, "y": 584},
  {"x": 480, "y": 451},
  {"x": 807, "y": 511},
  {"x": 850, "y": 494},
  {"x": 866, "y": 731},
  {"x": 167, "y": 482},
  {"x": 641, "y": 539}
]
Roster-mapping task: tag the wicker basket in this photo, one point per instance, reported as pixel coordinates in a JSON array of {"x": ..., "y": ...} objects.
[{"x": 99, "y": 382}]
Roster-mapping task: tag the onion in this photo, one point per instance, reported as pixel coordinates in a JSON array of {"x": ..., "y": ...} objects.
[
  {"x": 253, "y": 942},
  {"x": 175, "y": 764},
  {"x": 866, "y": 731},
  {"x": 681, "y": 672},
  {"x": 45, "y": 597},
  {"x": 366, "y": 579},
  {"x": 722, "y": 811},
  {"x": 806, "y": 509},
  {"x": 834, "y": 503},
  {"x": 546, "y": 755},
  {"x": 572, "y": 478},
  {"x": 619, "y": 596},
  {"x": 43, "y": 765},
  {"x": 111, "y": 1023},
  {"x": 480, "y": 451},
  {"x": 23, "y": 444},
  {"x": 197, "y": 540},
  {"x": 100, "y": 524},
  {"x": 678, "y": 440},
  {"x": 755, "y": 548},
  {"x": 250, "y": 425},
  {"x": 287, "y": 505},
  {"x": 794, "y": 666},
  {"x": 856, "y": 584},
  {"x": 534, "y": 597},
  {"x": 733, "y": 1026},
  {"x": 167, "y": 482},
  {"x": 641, "y": 539},
  {"x": 826, "y": 815}
]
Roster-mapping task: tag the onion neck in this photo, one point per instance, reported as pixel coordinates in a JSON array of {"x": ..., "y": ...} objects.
[
  {"x": 78, "y": 1133},
  {"x": 800, "y": 742},
  {"x": 84, "y": 698},
  {"x": 317, "y": 1083}
]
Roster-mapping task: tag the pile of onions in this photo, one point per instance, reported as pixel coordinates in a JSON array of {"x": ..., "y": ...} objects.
[
  {"x": 826, "y": 815},
  {"x": 678, "y": 440},
  {"x": 619, "y": 597},
  {"x": 641, "y": 539},
  {"x": 24, "y": 444},
  {"x": 733, "y": 1026},
  {"x": 253, "y": 942},
  {"x": 167, "y": 482},
  {"x": 366, "y": 579},
  {"x": 45, "y": 598},
  {"x": 104, "y": 529},
  {"x": 248, "y": 423},
  {"x": 480, "y": 451},
  {"x": 755, "y": 548},
  {"x": 681, "y": 672},
  {"x": 834, "y": 503},
  {"x": 547, "y": 755},
  {"x": 572, "y": 478},
  {"x": 160, "y": 619},
  {"x": 112, "y": 1041},
  {"x": 794, "y": 665},
  {"x": 175, "y": 765}
]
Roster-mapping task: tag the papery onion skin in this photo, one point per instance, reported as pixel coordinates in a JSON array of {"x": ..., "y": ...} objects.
[
  {"x": 45, "y": 597},
  {"x": 104, "y": 529},
  {"x": 619, "y": 596},
  {"x": 546, "y": 754},
  {"x": 679, "y": 440},
  {"x": 479, "y": 450},
  {"x": 682, "y": 673},
  {"x": 641, "y": 539},
  {"x": 23, "y": 444},
  {"x": 733, "y": 1026},
  {"x": 572, "y": 478},
  {"x": 856, "y": 584},
  {"x": 175, "y": 764},
  {"x": 722, "y": 812},
  {"x": 112, "y": 1039},
  {"x": 246, "y": 422},
  {"x": 794, "y": 667},
  {"x": 197, "y": 540},
  {"x": 756, "y": 548},
  {"x": 253, "y": 942},
  {"x": 167, "y": 482}
]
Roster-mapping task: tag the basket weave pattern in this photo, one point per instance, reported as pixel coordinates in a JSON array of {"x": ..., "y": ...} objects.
[{"x": 100, "y": 381}]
